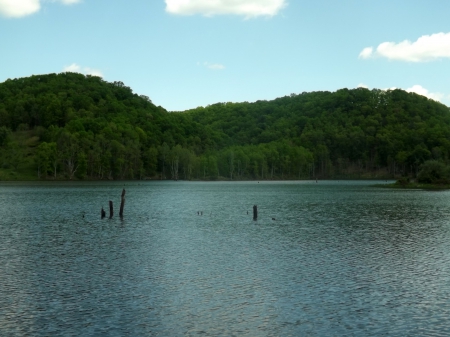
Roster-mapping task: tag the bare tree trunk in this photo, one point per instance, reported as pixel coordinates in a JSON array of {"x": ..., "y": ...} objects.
[
  {"x": 122, "y": 203},
  {"x": 111, "y": 209}
]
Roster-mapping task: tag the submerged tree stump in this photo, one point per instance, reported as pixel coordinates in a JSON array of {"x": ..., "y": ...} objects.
[
  {"x": 255, "y": 212},
  {"x": 111, "y": 209},
  {"x": 122, "y": 203}
]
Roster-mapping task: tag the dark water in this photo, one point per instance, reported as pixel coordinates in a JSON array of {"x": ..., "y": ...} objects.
[{"x": 341, "y": 259}]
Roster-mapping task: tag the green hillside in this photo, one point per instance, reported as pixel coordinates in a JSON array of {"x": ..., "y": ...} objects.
[
  {"x": 348, "y": 132},
  {"x": 71, "y": 126}
]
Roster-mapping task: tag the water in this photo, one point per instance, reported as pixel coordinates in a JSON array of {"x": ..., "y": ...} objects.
[{"x": 341, "y": 259}]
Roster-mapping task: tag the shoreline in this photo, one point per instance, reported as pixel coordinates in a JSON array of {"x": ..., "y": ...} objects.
[{"x": 415, "y": 186}]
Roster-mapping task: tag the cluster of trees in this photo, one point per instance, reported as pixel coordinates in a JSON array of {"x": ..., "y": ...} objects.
[
  {"x": 434, "y": 172},
  {"x": 72, "y": 126},
  {"x": 80, "y": 156}
]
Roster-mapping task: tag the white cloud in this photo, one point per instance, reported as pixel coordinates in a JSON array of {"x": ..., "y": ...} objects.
[
  {"x": 214, "y": 66},
  {"x": 75, "y": 68},
  {"x": 247, "y": 8},
  {"x": 70, "y": 2},
  {"x": 94, "y": 72},
  {"x": 418, "y": 89},
  {"x": 426, "y": 48},
  {"x": 20, "y": 8},
  {"x": 366, "y": 53}
]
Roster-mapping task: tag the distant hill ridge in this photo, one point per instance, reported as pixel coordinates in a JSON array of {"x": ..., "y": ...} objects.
[{"x": 72, "y": 126}]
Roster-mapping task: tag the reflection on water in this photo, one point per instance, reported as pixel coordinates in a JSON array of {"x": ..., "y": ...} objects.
[{"x": 341, "y": 258}]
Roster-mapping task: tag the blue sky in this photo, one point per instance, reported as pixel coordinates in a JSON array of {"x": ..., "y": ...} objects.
[{"x": 189, "y": 53}]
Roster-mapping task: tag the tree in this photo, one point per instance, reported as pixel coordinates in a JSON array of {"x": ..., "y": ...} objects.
[
  {"x": 230, "y": 162},
  {"x": 434, "y": 172},
  {"x": 14, "y": 155},
  {"x": 43, "y": 159},
  {"x": 150, "y": 161},
  {"x": 212, "y": 168},
  {"x": 188, "y": 161},
  {"x": 53, "y": 157},
  {"x": 69, "y": 149},
  {"x": 164, "y": 151},
  {"x": 4, "y": 135},
  {"x": 82, "y": 165},
  {"x": 174, "y": 157}
]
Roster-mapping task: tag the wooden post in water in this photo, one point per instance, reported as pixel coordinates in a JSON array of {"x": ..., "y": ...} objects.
[
  {"x": 255, "y": 212},
  {"x": 111, "y": 209},
  {"x": 103, "y": 213},
  {"x": 122, "y": 203}
]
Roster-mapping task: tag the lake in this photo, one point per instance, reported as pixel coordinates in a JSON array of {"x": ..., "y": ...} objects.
[{"x": 333, "y": 258}]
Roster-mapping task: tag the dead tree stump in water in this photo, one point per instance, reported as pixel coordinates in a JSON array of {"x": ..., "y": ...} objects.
[
  {"x": 122, "y": 203},
  {"x": 111, "y": 209},
  {"x": 255, "y": 212}
]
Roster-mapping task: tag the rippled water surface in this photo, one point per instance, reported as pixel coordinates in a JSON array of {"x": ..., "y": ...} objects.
[{"x": 340, "y": 259}]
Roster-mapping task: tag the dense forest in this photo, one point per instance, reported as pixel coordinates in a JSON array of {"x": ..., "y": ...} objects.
[{"x": 72, "y": 126}]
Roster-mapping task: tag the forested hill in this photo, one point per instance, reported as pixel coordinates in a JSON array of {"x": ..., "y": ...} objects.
[
  {"x": 71, "y": 126},
  {"x": 347, "y": 131}
]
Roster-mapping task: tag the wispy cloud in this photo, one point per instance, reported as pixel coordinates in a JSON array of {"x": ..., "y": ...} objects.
[
  {"x": 426, "y": 48},
  {"x": 75, "y": 68},
  {"x": 418, "y": 89},
  {"x": 246, "y": 8},
  {"x": 21, "y": 8},
  {"x": 214, "y": 66},
  {"x": 366, "y": 53},
  {"x": 68, "y": 2}
]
